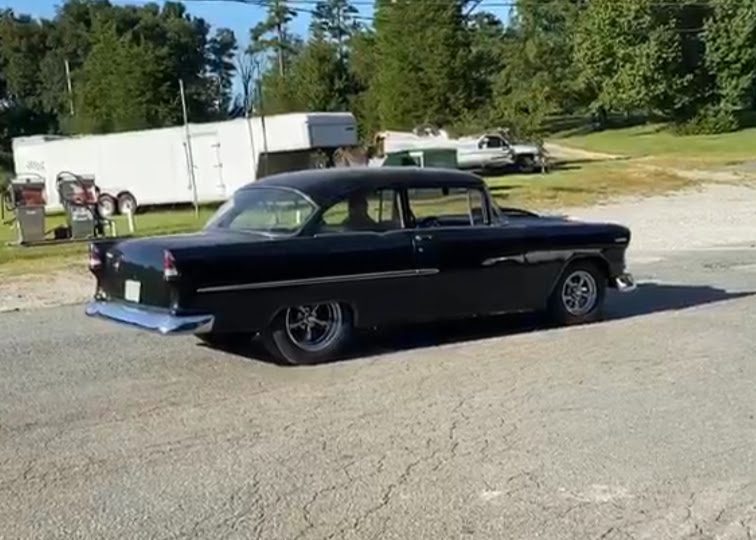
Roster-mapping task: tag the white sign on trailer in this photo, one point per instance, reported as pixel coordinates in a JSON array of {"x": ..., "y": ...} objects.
[{"x": 152, "y": 165}]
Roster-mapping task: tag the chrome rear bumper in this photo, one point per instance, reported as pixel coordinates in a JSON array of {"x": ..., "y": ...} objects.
[
  {"x": 625, "y": 283},
  {"x": 154, "y": 321}
]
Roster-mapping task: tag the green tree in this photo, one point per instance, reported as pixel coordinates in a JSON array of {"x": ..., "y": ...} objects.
[
  {"x": 629, "y": 57},
  {"x": 117, "y": 84},
  {"x": 487, "y": 38},
  {"x": 22, "y": 47},
  {"x": 538, "y": 77},
  {"x": 272, "y": 34},
  {"x": 221, "y": 51},
  {"x": 314, "y": 77},
  {"x": 22, "y": 107},
  {"x": 364, "y": 102},
  {"x": 731, "y": 52},
  {"x": 334, "y": 24},
  {"x": 420, "y": 53}
]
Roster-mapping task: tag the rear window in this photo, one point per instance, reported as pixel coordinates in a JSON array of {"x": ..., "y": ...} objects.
[{"x": 265, "y": 210}]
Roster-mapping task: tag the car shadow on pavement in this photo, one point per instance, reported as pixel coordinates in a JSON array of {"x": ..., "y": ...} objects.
[{"x": 647, "y": 299}]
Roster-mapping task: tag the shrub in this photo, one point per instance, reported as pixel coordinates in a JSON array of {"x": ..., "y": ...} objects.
[{"x": 709, "y": 120}]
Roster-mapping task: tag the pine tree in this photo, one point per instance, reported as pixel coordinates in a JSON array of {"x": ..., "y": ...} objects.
[
  {"x": 221, "y": 50},
  {"x": 420, "y": 53}
]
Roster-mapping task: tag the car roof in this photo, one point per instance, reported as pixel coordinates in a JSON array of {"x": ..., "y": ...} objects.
[{"x": 325, "y": 186}]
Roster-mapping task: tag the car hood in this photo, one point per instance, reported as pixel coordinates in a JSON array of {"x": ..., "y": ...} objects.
[{"x": 561, "y": 222}]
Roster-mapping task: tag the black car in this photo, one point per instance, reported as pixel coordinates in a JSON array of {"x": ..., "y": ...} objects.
[{"x": 303, "y": 258}]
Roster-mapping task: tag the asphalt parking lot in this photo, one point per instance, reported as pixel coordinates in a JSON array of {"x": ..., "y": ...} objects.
[{"x": 643, "y": 426}]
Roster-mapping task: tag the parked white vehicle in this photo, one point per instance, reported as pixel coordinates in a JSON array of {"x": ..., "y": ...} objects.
[
  {"x": 154, "y": 167},
  {"x": 490, "y": 151}
]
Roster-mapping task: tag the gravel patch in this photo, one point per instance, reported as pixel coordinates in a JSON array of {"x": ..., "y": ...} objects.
[
  {"x": 714, "y": 215},
  {"x": 60, "y": 287}
]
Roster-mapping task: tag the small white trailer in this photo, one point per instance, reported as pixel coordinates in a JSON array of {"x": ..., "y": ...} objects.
[{"x": 163, "y": 166}]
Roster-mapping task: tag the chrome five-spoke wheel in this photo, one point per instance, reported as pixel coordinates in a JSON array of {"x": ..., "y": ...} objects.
[
  {"x": 579, "y": 293},
  {"x": 315, "y": 327},
  {"x": 310, "y": 333}
]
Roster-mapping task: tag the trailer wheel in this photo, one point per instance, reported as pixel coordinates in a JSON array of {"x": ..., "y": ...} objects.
[
  {"x": 127, "y": 203},
  {"x": 107, "y": 205}
]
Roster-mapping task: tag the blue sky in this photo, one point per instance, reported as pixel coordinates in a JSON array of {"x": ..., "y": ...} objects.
[{"x": 239, "y": 17}]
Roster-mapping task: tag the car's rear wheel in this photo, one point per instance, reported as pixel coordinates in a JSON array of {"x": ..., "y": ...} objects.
[
  {"x": 578, "y": 297},
  {"x": 309, "y": 334}
]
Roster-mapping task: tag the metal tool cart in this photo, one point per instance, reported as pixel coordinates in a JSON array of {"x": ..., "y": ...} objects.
[{"x": 25, "y": 200}]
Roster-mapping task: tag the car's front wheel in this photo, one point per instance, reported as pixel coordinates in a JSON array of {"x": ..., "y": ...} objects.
[
  {"x": 527, "y": 164},
  {"x": 578, "y": 297},
  {"x": 309, "y": 334}
]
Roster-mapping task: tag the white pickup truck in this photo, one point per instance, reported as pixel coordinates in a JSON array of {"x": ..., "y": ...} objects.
[{"x": 491, "y": 151}]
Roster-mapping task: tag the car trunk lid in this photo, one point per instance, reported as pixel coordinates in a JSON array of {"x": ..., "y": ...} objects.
[{"x": 147, "y": 271}]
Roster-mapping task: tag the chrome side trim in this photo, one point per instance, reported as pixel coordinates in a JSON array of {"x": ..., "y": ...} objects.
[
  {"x": 558, "y": 254},
  {"x": 154, "y": 321},
  {"x": 625, "y": 283},
  {"x": 509, "y": 258},
  {"x": 541, "y": 256},
  {"x": 320, "y": 280}
]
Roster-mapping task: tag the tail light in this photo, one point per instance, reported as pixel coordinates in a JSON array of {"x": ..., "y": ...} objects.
[
  {"x": 95, "y": 259},
  {"x": 169, "y": 266}
]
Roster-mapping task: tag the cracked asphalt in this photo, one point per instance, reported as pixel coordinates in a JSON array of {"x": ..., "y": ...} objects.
[{"x": 642, "y": 426}]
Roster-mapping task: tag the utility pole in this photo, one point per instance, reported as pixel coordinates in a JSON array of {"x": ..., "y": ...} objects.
[
  {"x": 262, "y": 122},
  {"x": 70, "y": 86},
  {"x": 248, "y": 110},
  {"x": 278, "y": 14},
  {"x": 189, "y": 153}
]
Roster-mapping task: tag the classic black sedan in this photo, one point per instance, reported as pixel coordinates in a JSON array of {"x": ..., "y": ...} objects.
[{"x": 301, "y": 259}]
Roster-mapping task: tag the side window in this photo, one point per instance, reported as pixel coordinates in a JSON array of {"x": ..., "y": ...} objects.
[
  {"x": 375, "y": 211},
  {"x": 495, "y": 142},
  {"x": 433, "y": 207}
]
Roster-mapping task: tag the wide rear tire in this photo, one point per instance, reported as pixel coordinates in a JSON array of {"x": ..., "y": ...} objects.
[
  {"x": 578, "y": 297},
  {"x": 311, "y": 334}
]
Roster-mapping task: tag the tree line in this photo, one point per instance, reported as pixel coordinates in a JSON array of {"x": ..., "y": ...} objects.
[{"x": 444, "y": 62}]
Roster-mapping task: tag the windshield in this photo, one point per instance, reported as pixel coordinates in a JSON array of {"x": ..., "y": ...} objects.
[{"x": 265, "y": 210}]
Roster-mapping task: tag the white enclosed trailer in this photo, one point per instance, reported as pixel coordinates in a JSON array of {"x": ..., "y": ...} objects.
[{"x": 154, "y": 166}]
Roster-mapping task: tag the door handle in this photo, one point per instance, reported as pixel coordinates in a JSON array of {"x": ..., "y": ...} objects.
[{"x": 422, "y": 237}]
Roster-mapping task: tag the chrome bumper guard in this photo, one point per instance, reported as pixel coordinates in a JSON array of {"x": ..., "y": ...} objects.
[
  {"x": 154, "y": 321},
  {"x": 625, "y": 283}
]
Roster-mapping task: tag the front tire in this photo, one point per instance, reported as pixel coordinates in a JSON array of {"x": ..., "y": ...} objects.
[
  {"x": 526, "y": 164},
  {"x": 578, "y": 297},
  {"x": 309, "y": 334}
]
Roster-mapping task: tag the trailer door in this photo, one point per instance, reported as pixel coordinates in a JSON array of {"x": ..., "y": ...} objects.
[{"x": 208, "y": 166}]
